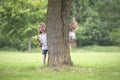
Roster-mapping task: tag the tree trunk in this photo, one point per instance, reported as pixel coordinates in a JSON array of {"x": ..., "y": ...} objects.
[
  {"x": 29, "y": 45},
  {"x": 58, "y": 33}
]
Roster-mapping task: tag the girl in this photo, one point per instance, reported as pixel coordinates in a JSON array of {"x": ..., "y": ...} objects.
[
  {"x": 43, "y": 39},
  {"x": 73, "y": 26}
]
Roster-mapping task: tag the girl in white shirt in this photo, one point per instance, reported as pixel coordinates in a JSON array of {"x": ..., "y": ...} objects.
[
  {"x": 43, "y": 39},
  {"x": 73, "y": 26},
  {"x": 71, "y": 35}
]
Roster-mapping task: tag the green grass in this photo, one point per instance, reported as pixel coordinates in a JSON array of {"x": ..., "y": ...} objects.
[{"x": 88, "y": 65}]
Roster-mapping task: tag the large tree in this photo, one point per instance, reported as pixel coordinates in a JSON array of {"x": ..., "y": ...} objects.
[{"x": 58, "y": 32}]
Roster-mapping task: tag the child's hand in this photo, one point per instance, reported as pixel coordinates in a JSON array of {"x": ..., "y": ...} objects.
[
  {"x": 38, "y": 42},
  {"x": 71, "y": 41}
]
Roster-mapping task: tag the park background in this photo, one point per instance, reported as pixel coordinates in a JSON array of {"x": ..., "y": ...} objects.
[
  {"x": 96, "y": 55},
  {"x": 99, "y": 22}
]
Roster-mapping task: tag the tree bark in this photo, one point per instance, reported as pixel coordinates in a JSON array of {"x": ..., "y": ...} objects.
[{"x": 58, "y": 33}]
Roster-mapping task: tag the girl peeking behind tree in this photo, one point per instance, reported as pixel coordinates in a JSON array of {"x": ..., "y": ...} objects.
[
  {"x": 73, "y": 26},
  {"x": 43, "y": 40}
]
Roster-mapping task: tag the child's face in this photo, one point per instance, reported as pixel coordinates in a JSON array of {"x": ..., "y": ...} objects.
[
  {"x": 42, "y": 28},
  {"x": 74, "y": 24},
  {"x": 72, "y": 28}
]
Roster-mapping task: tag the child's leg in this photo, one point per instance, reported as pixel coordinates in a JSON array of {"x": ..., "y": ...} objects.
[
  {"x": 44, "y": 59},
  {"x": 44, "y": 56}
]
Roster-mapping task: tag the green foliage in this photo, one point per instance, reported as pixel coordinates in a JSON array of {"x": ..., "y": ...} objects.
[
  {"x": 115, "y": 36},
  {"x": 99, "y": 21},
  {"x": 19, "y": 20}
]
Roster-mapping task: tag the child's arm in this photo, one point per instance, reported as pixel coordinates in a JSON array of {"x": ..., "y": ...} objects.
[
  {"x": 38, "y": 42},
  {"x": 71, "y": 40}
]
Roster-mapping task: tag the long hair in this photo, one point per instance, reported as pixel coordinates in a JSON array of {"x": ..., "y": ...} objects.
[{"x": 43, "y": 24}]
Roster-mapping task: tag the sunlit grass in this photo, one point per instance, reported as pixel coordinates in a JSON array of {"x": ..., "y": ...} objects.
[
  {"x": 88, "y": 65},
  {"x": 96, "y": 48}
]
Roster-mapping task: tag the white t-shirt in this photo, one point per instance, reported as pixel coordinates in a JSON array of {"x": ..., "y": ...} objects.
[
  {"x": 43, "y": 39},
  {"x": 72, "y": 35}
]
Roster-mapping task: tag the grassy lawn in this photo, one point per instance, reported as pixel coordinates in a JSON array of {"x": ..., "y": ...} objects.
[{"x": 89, "y": 64}]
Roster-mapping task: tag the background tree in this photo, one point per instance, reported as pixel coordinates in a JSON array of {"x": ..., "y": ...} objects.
[
  {"x": 57, "y": 32},
  {"x": 18, "y": 20},
  {"x": 99, "y": 22}
]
